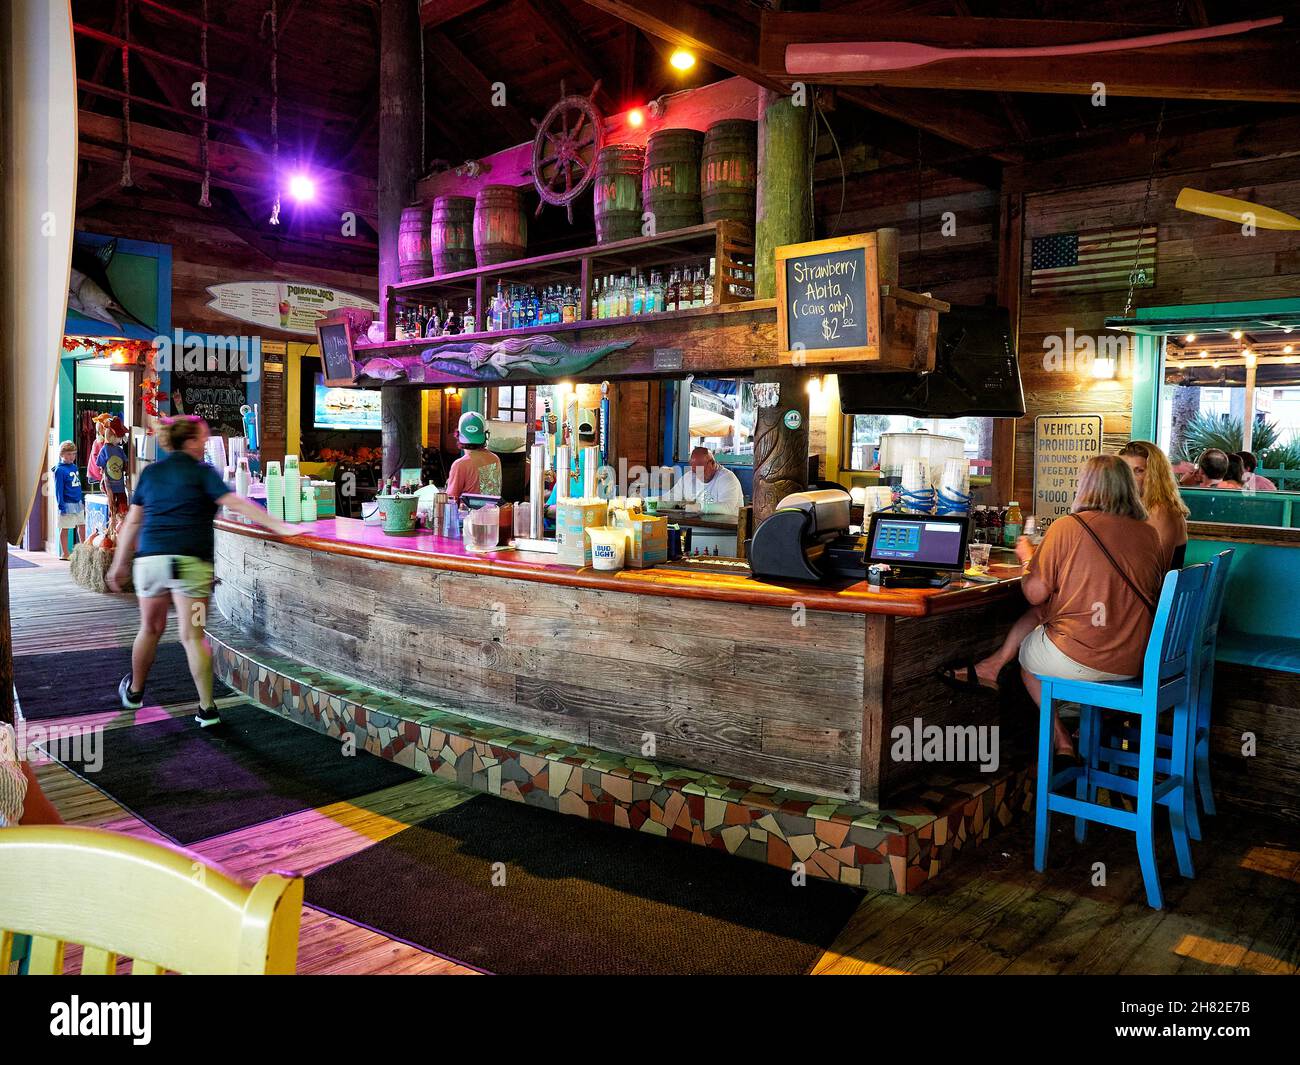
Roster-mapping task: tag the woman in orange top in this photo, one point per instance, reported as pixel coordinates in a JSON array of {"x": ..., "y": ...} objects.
[
  {"x": 1092, "y": 588},
  {"x": 1166, "y": 511}
]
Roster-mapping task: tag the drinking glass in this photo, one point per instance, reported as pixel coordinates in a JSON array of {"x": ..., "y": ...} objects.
[
  {"x": 979, "y": 557},
  {"x": 522, "y": 523}
]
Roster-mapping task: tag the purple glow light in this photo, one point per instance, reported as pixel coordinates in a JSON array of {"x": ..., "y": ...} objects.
[{"x": 302, "y": 188}]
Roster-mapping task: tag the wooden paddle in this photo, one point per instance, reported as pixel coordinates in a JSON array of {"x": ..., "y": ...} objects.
[
  {"x": 854, "y": 57},
  {"x": 1213, "y": 205}
]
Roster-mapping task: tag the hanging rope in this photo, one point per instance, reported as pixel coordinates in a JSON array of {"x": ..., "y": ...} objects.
[
  {"x": 275, "y": 108},
  {"x": 126, "y": 181},
  {"x": 1146, "y": 198},
  {"x": 204, "y": 201}
]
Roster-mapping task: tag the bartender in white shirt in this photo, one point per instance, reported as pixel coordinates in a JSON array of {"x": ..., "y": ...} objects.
[{"x": 708, "y": 485}]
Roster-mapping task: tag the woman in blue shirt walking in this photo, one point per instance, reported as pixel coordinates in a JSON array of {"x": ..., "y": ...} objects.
[{"x": 168, "y": 533}]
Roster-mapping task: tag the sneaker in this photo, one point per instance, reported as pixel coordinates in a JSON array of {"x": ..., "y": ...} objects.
[
  {"x": 130, "y": 700},
  {"x": 209, "y": 717}
]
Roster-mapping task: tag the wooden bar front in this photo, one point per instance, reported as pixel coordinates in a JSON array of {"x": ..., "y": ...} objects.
[{"x": 794, "y": 686}]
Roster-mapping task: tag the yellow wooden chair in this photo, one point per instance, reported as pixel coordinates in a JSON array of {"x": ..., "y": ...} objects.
[{"x": 119, "y": 896}]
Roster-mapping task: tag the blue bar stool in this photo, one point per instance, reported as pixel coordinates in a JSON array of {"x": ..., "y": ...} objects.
[
  {"x": 1120, "y": 750},
  {"x": 1167, "y": 682}
]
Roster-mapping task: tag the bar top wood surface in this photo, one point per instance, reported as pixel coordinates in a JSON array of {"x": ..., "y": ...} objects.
[{"x": 349, "y": 536}]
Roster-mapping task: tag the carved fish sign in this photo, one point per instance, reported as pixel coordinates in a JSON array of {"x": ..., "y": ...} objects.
[{"x": 535, "y": 356}]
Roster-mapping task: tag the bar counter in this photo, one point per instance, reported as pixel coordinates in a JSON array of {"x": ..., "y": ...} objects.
[{"x": 795, "y": 686}]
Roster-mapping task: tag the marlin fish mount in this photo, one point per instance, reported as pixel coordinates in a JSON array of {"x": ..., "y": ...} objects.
[{"x": 539, "y": 356}]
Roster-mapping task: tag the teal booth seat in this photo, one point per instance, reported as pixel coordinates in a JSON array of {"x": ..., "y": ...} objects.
[{"x": 1261, "y": 609}]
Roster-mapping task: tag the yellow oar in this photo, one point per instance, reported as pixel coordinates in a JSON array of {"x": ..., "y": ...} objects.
[{"x": 1239, "y": 211}]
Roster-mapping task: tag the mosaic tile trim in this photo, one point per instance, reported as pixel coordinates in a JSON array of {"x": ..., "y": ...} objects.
[{"x": 897, "y": 849}]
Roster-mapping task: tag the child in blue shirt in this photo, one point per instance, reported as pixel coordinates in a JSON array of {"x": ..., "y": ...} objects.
[{"x": 68, "y": 499}]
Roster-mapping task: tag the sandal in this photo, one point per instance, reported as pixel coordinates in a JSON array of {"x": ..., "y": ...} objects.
[{"x": 948, "y": 675}]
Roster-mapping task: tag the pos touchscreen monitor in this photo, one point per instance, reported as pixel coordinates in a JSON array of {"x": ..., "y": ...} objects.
[{"x": 925, "y": 546}]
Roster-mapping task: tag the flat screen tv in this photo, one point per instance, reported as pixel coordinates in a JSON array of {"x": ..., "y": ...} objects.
[{"x": 345, "y": 408}]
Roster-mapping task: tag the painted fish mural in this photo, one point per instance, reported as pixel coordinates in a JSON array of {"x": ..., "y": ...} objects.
[
  {"x": 91, "y": 293},
  {"x": 539, "y": 355}
]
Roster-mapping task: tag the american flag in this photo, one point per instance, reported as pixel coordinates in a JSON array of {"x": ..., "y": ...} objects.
[{"x": 1094, "y": 260}]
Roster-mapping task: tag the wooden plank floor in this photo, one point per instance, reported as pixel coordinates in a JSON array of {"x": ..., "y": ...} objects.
[{"x": 990, "y": 913}]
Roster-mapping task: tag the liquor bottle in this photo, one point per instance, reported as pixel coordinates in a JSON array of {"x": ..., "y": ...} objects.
[
  {"x": 432, "y": 324},
  {"x": 708, "y": 283},
  {"x": 656, "y": 292},
  {"x": 697, "y": 287},
  {"x": 637, "y": 296},
  {"x": 469, "y": 319},
  {"x": 673, "y": 291},
  {"x": 501, "y": 308},
  {"x": 516, "y": 309},
  {"x": 534, "y": 312},
  {"x": 450, "y": 326},
  {"x": 570, "y": 310}
]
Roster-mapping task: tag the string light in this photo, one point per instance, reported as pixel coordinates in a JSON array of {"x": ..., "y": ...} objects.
[
  {"x": 636, "y": 117},
  {"x": 1190, "y": 338},
  {"x": 1237, "y": 334},
  {"x": 682, "y": 59}
]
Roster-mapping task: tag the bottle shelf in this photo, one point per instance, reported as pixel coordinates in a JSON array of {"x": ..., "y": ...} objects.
[{"x": 728, "y": 243}]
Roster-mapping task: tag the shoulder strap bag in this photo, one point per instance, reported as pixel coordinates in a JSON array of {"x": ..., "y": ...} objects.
[{"x": 1111, "y": 559}]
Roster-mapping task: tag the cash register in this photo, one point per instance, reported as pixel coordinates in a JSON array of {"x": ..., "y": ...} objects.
[{"x": 807, "y": 538}]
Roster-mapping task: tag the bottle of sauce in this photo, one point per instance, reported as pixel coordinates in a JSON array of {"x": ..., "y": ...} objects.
[
  {"x": 980, "y": 525},
  {"x": 993, "y": 530},
  {"x": 1012, "y": 525}
]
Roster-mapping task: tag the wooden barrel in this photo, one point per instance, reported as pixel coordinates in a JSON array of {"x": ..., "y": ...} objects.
[
  {"x": 413, "y": 259},
  {"x": 670, "y": 183},
  {"x": 617, "y": 193},
  {"x": 729, "y": 170},
  {"x": 500, "y": 228},
  {"x": 451, "y": 234}
]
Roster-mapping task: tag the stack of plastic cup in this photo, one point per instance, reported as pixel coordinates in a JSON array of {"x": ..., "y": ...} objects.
[
  {"x": 308, "y": 503},
  {"x": 292, "y": 489},
  {"x": 915, "y": 493},
  {"x": 952, "y": 493},
  {"x": 274, "y": 490}
]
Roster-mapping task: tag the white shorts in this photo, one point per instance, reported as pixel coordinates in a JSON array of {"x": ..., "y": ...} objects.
[
  {"x": 155, "y": 575},
  {"x": 1042, "y": 657}
]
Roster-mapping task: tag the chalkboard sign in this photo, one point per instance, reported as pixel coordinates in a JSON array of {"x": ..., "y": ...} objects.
[
  {"x": 214, "y": 395},
  {"x": 335, "y": 338},
  {"x": 828, "y": 301}
]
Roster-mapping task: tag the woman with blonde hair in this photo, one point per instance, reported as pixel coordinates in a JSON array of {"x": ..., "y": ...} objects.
[
  {"x": 1166, "y": 511},
  {"x": 168, "y": 532},
  {"x": 1092, "y": 587}
]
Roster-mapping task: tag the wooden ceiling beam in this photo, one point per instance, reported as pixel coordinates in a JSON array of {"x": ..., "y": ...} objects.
[
  {"x": 434, "y": 13},
  {"x": 477, "y": 87},
  {"x": 941, "y": 114},
  {"x": 177, "y": 154},
  {"x": 556, "y": 24},
  {"x": 731, "y": 44},
  {"x": 1251, "y": 66}
]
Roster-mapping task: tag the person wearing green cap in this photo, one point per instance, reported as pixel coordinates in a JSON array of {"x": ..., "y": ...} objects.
[{"x": 478, "y": 471}]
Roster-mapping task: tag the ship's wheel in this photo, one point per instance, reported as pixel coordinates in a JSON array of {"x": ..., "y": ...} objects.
[{"x": 565, "y": 148}]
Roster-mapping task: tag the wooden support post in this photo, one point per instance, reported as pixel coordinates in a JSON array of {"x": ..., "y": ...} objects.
[
  {"x": 784, "y": 216},
  {"x": 400, "y": 163}
]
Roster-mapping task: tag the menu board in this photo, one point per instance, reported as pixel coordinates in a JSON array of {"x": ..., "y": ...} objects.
[
  {"x": 1062, "y": 444},
  {"x": 214, "y": 396},
  {"x": 335, "y": 339},
  {"x": 828, "y": 301},
  {"x": 290, "y": 307},
  {"x": 271, "y": 409}
]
